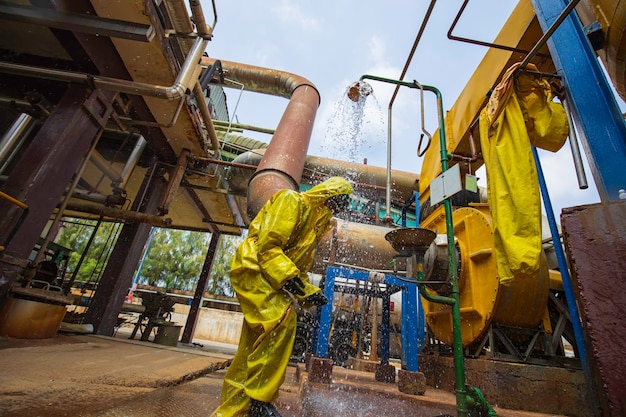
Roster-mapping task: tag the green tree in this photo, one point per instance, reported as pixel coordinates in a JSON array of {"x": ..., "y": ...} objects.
[
  {"x": 219, "y": 281},
  {"x": 173, "y": 260},
  {"x": 75, "y": 233}
]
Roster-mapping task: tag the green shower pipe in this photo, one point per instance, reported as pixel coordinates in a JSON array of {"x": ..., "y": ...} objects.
[{"x": 463, "y": 399}]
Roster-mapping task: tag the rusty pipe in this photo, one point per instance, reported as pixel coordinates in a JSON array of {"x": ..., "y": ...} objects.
[
  {"x": 261, "y": 80},
  {"x": 203, "y": 28},
  {"x": 205, "y": 114},
  {"x": 403, "y": 183},
  {"x": 132, "y": 216},
  {"x": 105, "y": 166},
  {"x": 174, "y": 182},
  {"x": 283, "y": 163}
]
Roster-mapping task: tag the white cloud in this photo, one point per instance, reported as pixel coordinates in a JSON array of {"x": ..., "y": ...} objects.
[
  {"x": 377, "y": 49},
  {"x": 290, "y": 11}
]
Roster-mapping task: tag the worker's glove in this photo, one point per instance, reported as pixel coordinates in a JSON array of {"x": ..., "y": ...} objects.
[
  {"x": 317, "y": 299},
  {"x": 294, "y": 286}
]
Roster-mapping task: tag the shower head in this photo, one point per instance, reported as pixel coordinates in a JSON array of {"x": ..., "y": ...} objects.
[{"x": 358, "y": 90}]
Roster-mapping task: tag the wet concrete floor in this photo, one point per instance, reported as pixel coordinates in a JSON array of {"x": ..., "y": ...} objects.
[{"x": 93, "y": 376}]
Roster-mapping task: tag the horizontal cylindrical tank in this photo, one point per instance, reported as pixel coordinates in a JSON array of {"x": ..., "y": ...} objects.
[
  {"x": 355, "y": 244},
  {"x": 483, "y": 300}
]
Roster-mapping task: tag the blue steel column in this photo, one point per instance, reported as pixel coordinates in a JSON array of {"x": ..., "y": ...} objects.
[
  {"x": 326, "y": 312},
  {"x": 594, "y": 108},
  {"x": 411, "y": 341},
  {"x": 384, "y": 328}
]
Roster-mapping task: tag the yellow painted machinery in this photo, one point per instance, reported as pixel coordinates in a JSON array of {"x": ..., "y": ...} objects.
[{"x": 483, "y": 300}]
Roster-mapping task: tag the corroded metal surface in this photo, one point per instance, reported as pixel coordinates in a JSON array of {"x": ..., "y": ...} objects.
[
  {"x": 595, "y": 241},
  {"x": 514, "y": 386}
]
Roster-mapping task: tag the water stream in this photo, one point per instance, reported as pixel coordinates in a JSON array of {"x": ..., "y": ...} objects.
[{"x": 355, "y": 131}]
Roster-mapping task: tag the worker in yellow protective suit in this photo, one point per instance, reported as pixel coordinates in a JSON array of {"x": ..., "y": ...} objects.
[{"x": 268, "y": 271}]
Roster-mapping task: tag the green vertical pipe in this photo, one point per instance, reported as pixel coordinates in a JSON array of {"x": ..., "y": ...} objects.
[{"x": 459, "y": 366}]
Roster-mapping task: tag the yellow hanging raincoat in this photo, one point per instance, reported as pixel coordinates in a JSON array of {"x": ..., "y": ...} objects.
[
  {"x": 280, "y": 245},
  {"x": 520, "y": 112}
]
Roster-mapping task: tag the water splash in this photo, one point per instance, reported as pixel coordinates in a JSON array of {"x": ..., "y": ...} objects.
[{"x": 355, "y": 126}]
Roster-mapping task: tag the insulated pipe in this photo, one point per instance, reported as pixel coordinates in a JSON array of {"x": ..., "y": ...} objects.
[
  {"x": 104, "y": 166},
  {"x": 13, "y": 134},
  {"x": 575, "y": 149},
  {"x": 282, "y": 165},
  {"x": 174, "y": 182},
  {"x": 403, "y": 184},
  {"x": 259, "y": 79},
  {"x": 173, "y": 92},
  {"x": 131, "y": 163}
]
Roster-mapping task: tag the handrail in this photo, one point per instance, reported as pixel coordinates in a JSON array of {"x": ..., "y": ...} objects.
[
  {"x": 14, "y": 200},
  {"x": 19, "y": 222}
]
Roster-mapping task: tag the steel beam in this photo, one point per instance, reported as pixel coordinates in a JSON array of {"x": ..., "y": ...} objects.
[
  {"x": 596, "y": 113},
  {"x": 77, "y": 22}
]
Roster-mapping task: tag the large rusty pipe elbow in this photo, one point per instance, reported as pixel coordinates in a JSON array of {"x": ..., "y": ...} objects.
[{"x": 283, "y": 163}]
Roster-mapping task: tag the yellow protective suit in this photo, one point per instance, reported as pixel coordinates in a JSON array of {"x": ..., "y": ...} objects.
[
  {"x": 520, "y": 112},
  {"x": 280, "y": 245}
]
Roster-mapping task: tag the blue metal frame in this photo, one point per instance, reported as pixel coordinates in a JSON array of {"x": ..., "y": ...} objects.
[
  {"x": 410, "y": 335},
  {"x": 594, "y": 108}
]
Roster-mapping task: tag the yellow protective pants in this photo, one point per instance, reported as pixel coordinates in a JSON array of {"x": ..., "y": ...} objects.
[{"x": 258, "y": 368}]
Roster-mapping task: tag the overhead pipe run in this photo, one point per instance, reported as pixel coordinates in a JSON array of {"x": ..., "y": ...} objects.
[
  {"x": 183, "y": 24},
  {"x": 182, "y": 84},
  {"x": 15, "y": 132},
  {"x": 174, "y": 183},
  {"x": 403, "y": 184},
  {"x": 283, "y": 163},
  {"x": 132, "y": 216}
]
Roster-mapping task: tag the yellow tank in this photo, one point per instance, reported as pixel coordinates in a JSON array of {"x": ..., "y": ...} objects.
[
  {"x": 483, "y": 300},
  {"x": 611, "y": 15}
]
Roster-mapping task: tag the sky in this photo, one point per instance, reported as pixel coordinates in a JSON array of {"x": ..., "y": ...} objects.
[{"x": 332, "y": 44}]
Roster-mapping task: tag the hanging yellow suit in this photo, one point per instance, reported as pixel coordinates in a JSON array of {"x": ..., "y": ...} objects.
[
  {"x": 520, "y": 113},
  {"x": 280, "y": 245}
]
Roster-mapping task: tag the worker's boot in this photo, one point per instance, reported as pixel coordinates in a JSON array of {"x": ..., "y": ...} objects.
[{"x": 261, "y": 409}]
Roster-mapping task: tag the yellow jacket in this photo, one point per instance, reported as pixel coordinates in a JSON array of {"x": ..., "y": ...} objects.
[{"x": 280, "y": 245}]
